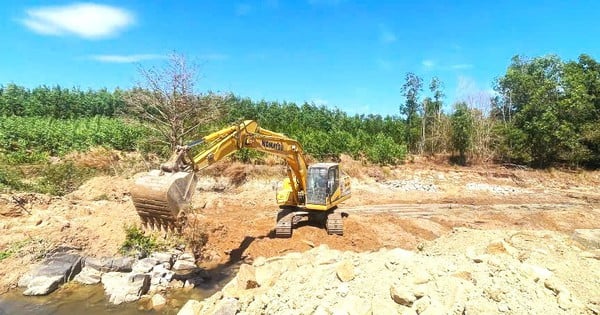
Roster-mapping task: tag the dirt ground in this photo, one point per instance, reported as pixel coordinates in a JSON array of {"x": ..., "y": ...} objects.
[{"x": 390, "y": 207}]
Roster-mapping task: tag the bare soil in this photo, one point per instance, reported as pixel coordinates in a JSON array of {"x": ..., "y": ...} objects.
[{"x": 384, "y": 211}]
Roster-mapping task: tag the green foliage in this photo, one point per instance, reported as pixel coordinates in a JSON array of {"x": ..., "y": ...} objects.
[
  {"x": 63, "y": 178},
  {"x": 10, "y": 178},
  {"x": 137, "y": 243},
  {"x": 552, "y": 104},
  {"x": 384, "y": 150},
  {"x": 412, "y": 109},
  {"x": 57, "y": 102},
  {"x": 325, "y": 133},
  {"x": 511, "y": 144},
  {"x": 33, "y": 139},
  {"x": 462, "y": 130},
  {"x": 546, "y": 111}
]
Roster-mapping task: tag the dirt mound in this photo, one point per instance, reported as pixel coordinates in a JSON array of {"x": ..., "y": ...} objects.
[
  {"x": 103, "y": 188},
  {"x": 467, "y": 272}
]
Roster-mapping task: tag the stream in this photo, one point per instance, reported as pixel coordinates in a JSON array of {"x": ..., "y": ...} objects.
[{"x": 73, "y": 298}]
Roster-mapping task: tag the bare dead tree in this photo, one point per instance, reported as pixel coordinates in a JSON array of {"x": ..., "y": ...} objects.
[
  {"x": 480, "y": 104},
  {"x": 165, "y": 98}
]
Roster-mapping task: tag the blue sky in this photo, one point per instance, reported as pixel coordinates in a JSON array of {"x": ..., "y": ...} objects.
[{"x": 340, "y": 53}]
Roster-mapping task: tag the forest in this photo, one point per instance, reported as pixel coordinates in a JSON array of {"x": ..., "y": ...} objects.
[{"x": 544, "y": 112}]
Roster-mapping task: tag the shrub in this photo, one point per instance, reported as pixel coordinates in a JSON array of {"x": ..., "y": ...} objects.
[
  {"x": 195, "y": 235},
  {"x": 10, "y": 178},
  {"x": 137, "y": 242},
  {"x": 61, "y": 179}
]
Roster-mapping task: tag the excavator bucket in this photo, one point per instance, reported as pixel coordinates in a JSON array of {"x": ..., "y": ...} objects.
[{"x": 160, "y": 198}]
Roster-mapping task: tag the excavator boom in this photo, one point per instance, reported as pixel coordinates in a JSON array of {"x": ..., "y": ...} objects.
[{"x": 161, "y": 197}]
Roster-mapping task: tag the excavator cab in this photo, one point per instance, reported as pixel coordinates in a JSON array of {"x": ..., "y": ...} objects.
[
  {"x": 326, "y": 187},
  {"x": 321, "y": 182}
]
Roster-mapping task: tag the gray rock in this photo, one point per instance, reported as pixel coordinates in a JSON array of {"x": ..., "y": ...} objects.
[
  {"x": 144, "y": 265},
  {"x": 160, "y": 273},
  {"x": 187, "y": 257},
  {"x": 43, "y": 285},
  {"x": 110, "y": 264},
  {"x": 184, "y": 265},
  {"x": 50, "y": 274},
  {"x": 125, "y": 287},
  {"x": 163, "y": 257},
  {"x": 88, "y": 275},
  {"x": 191, "y": 307}
]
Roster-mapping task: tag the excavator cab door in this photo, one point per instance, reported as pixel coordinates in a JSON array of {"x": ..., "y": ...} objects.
[{"x": 322, "y": 182}]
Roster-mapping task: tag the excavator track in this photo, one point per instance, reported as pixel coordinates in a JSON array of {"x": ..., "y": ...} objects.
[
  {"x": 285, "y": 222},
  {"x": 335, "y": 223}
]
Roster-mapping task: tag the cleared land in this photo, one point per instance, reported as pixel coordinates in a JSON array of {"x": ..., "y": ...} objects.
[{"x": 405, "y": 207}]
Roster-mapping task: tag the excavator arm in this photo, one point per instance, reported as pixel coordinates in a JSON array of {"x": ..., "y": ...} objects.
[{"x": 160, "y": 196}]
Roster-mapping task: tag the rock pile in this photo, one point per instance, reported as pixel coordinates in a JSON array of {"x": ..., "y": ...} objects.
[
  {"x": 411, "y": 185},
  {"x": 124, "y": 279},
  {"x": 495, "y": 189},
  {"x": 494, "y": 277}
]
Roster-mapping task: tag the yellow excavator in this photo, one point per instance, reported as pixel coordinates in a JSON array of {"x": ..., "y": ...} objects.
[{"x": 162, "y": 197}]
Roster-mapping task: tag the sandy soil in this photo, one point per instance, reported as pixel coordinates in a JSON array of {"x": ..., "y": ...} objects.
[{"x": 400, "y": 207}]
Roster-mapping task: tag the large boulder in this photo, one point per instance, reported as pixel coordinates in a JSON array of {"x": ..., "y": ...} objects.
[
  {"x": 125, "y": 287},
  {"x": 51, "y": 273},
  {"x": 163, "y": 257},
  {"x": 110, "y": 264},
  {"x": 144, "y": 265},
  {"x": 88, "y": 276},
  {"x": 180, "y": 265}
]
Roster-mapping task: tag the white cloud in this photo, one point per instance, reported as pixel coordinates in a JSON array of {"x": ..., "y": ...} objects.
[
  {"x": 126, "y": 58},
  {"x": 386, "y": 36},
  {"x": 87, "y": 20},
  {"x": 427, "y": 63},
  {"x": 461, "y": 66}
]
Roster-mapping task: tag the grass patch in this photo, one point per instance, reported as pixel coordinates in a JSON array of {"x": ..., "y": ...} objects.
[
  {"x": 13, "y": 249},
  {"x": 137, "y": 243}
]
